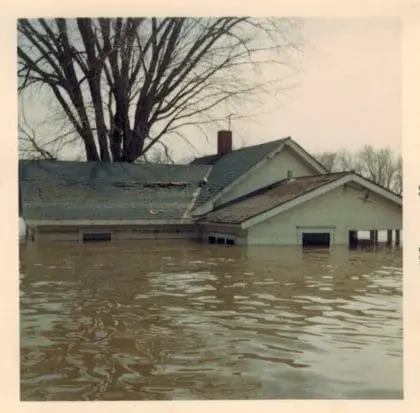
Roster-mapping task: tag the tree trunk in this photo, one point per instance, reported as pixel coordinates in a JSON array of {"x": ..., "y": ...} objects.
[
  {"x": 91, "y": 152},
  {"x": 134, "y": 143}
]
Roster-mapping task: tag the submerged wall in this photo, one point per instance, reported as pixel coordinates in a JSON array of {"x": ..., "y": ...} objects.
[{"x": 46, "y": 233}]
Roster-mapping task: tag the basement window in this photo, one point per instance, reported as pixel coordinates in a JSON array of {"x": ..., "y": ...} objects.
[
  {"x": 220, "y": 240},
  {"x": 316, "y": 239},
  {"x": 96, "y": 236},
  {"x": 212, "y": 240},
  {"x": 230, "y": 241}
]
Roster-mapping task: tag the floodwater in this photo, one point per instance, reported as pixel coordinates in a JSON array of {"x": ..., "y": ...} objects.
[{"x": 181, "y": 321}]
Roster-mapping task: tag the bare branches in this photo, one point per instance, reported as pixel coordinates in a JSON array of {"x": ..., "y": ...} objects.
[
  {"x": 33, "y": 149},
  {"x": 125, "y": 83},
  {"x": 381, "y": 166},
  {"x": 328, "y": 160},
  {"x": 31, "y": 146}
]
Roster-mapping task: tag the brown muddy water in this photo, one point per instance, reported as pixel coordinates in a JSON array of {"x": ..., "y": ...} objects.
[{"x": 179, "y": 321}]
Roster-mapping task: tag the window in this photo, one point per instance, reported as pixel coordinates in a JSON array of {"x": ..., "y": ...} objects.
[
  {"x": 96, "y": 236},
  {"x": 221, "y": 240},
  {"x": 316, "y": 239}
]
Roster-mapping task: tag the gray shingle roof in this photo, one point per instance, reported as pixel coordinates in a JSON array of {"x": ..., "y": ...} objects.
[
  {"x": 267, "y": 198},
  {"x": 227, "y": 168},
  {"x": 207, "y": 160},
  {"x": 61, "y": 190}
]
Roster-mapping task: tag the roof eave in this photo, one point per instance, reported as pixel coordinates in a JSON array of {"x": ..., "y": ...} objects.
[{"x": 106, "y": 222}]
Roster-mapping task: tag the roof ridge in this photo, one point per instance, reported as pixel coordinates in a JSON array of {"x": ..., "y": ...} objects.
[
  {"x": 104, "y": 164},
  {"x": 279, "y": 140}
]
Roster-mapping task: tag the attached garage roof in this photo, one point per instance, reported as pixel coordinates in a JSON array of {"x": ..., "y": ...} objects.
[
  {"x": 273, "y": 197},
  {"x": 267, "y": 198}
]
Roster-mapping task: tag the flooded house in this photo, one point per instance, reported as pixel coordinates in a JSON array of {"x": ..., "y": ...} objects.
[{"x": 273, "y": 193}]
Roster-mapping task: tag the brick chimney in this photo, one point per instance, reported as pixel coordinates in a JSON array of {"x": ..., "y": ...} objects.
[{"x": 224, "y": 142}]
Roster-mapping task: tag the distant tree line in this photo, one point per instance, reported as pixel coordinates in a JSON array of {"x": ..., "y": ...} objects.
[{"x": 382, "y": 166}]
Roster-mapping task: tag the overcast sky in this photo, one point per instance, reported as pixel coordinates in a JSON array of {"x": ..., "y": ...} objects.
[{"x": 349, "y": 93}]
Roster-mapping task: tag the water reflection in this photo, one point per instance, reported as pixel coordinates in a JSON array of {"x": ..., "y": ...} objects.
[{"x": 189, "y": 321}]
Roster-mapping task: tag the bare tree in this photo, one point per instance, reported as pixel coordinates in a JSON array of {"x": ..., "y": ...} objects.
[
  {"x": 125, "y": 83},
  {"x": 29, "y": 144},
  {"x": 164, "y": 155},
  {"x": 327, "y": 159},
  {"x": 398, "y": 178},
  {"x": 46, "y": 138},
  {"x": 342, "y": 160},
  {"x": 381, "y": 166}
]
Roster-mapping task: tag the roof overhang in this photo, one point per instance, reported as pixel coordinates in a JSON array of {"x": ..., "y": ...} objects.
[
  {"x": 350, "y": 178},
  {"x": 210, "y": 224}
]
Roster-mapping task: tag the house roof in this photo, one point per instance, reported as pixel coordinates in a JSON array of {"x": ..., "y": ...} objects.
[
  {"x": 208, "y": 159},
  {"x": 229, "y": 167},
  {"x": 61, "y": 190},
  {"x": 262, "y": 200}
]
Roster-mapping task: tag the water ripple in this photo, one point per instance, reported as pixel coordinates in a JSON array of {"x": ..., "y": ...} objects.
[{"x": 144, "y": 321}]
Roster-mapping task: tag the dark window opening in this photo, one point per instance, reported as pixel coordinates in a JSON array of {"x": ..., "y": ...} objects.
[
  {"x": 230, "y": 241},
  {"x": 155, "y": 231},
  {"x": 353, "y": 239},
  {"x": 96, "y": 236},
  {"x": 316, "y": 239},
  {"x": 177, "y": 231},
  {"x": 212, "y": 240},
  {"x": 220, "y": 240}
]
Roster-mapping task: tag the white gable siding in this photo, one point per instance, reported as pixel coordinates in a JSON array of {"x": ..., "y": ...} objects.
[
  {"x": 272, "y": 171},
  {"x": 340, "y": 210}
]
